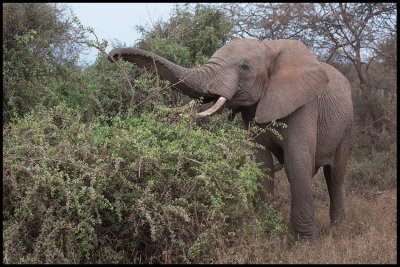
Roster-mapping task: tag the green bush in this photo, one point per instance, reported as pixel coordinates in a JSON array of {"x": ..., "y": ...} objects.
[
  {"x": 190, "y": 36},
  {"x": 110, "y": 94},
  {"x": 40, "y": 50},
  {"x": 149, "y": 189},
  {"x": 173, "y": 51}
]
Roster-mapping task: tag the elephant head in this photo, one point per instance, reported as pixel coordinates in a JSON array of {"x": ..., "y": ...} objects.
[{"x": 279, "y": 75}]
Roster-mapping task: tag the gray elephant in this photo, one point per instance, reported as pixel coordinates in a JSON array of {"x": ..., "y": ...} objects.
[{"x": 276, "y": 80}]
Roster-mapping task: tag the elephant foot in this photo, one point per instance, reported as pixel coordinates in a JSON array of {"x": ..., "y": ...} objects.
[
  {"x": 305, "y": 232},
  {"x": 309, "y": 238},
  {"x": 337, "y": 215},
  {"x": 337, "y": 221}
]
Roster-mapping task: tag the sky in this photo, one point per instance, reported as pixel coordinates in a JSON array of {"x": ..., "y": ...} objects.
[{"x": 117, "y": 21}]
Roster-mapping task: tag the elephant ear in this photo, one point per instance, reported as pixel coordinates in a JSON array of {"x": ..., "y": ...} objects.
[{"x": 296, "y": 77}]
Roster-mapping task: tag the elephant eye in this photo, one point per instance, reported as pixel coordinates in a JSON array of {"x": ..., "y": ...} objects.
[{"x": 244, "y": 67}]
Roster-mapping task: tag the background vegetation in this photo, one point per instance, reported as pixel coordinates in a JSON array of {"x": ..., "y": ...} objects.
[{"x": 96, "y": 170}]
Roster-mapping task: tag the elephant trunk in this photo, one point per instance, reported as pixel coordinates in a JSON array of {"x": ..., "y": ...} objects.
[{"x": 186, "y": 80}]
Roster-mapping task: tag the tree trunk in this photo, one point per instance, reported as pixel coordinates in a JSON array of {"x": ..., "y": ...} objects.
[{"x": 372, "y": 102}]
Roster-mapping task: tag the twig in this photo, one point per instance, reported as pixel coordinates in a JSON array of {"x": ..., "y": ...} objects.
[
  {"x": 127, "y": 79},
  {"x": 344, "y": 50},
  {"x": 252, "y": 138},
  {"x": 162, "y": 89},
  {"x": 193, "y": 160},
  {"x": 101, "y": 49}
]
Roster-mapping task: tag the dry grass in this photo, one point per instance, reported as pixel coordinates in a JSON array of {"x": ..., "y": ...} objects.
[{"x": 369, "y": 234}]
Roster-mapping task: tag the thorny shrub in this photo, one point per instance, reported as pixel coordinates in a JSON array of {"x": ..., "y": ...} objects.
[{"x": 155, "y": 188}]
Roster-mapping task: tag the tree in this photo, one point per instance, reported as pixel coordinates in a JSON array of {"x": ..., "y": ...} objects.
[
  {"x": 190, "y": 36},
  {"x": 39, "y": 45},
  {"x": 356, "y": 32},
  {"x": 269, "y": 21},
  {"x": 48, "y": 21}
]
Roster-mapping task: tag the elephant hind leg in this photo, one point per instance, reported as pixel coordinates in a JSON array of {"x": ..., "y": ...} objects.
[
  {"x": 336, "y": 194},
  {"x": 334, "y": 176}
]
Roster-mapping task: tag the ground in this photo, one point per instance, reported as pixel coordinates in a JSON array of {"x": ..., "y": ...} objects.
[{"x": 368, "y": 235}]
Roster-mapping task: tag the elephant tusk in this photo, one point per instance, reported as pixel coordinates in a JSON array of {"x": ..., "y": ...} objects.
[
  {"x": 183, "y": 108},
  {"x": 221, "y": 101}
]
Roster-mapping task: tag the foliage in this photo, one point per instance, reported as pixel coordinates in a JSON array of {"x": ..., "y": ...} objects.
[
  {"x": 152, "y": 188},
  {"x": 190, "y": 36},
  {"x": 269, "y": 21},
  {"x": 39, "y": 56},
  {"x": 48, "y": 20}
]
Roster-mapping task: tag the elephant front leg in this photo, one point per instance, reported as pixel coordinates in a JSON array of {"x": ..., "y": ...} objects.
[
  {"x": 266, "y": 187},
  {"x": 302, "y": 207}
]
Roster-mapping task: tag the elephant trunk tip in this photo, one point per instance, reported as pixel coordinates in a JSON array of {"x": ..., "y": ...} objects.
[{"x": 114, "y": 56}]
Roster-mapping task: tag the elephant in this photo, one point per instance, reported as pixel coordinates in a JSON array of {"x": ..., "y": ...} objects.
[{"x": 275, "y": 80}]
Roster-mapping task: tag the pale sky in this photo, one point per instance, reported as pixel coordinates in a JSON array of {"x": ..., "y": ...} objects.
[{"x": 118, "y": 21}]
